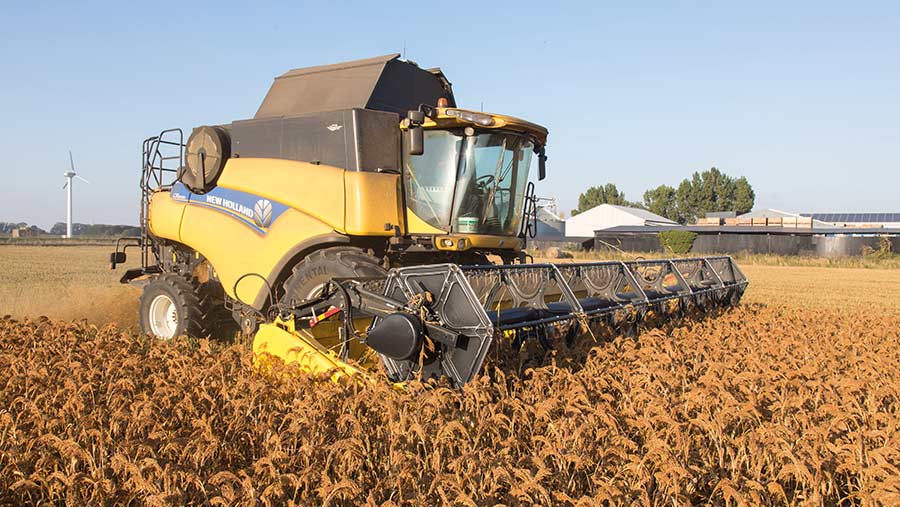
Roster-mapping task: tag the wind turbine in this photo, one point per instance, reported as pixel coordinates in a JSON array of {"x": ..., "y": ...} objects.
[{"x": 69, "y": 175}]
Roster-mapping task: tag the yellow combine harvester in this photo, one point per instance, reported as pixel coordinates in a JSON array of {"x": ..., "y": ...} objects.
[{"x": 353, "y": 216}]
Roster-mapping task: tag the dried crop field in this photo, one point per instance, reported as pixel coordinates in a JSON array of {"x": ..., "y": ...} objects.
[
  {"x": 796, "y": 402},
  {"x": 66, "y": 282}
]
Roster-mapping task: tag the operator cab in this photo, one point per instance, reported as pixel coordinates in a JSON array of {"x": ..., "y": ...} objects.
[
  {"x": 466, "y": 173},
  {"x": 468, "y": 181}
]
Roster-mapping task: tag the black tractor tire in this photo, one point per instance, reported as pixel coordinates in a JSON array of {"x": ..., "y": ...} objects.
[
  {"x": 216, "y": 318},
  {"x": 172, "y": 305},
  {"x": 317, "y": 268}
]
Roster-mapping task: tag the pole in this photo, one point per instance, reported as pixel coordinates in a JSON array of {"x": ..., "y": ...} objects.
[{"x": 69, "y": 209}]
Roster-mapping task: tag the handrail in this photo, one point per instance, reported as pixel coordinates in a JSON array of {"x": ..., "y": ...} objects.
[{"x": 157, "y": 156}]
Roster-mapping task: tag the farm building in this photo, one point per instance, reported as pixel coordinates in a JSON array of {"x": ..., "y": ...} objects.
[
  {"x": 763, "y": 217},
  {"x": 774, "y": 217},
  {"x": 768, "y": 231},
  {"x": 768, "y": 213},
  {"x": 25, "y": 232},
  {"x": 730, "y": 239},
  {"x": 721, "y": 214},
  {"x": 862, "y": 220},
  {"x": 549, "y": 224},
  {"x": 607, "y": 216}
]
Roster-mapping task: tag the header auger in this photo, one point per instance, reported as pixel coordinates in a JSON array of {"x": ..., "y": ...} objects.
[{"x": 353, "y": 218}]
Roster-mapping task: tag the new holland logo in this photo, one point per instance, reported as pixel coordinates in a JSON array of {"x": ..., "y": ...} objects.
[
  {"x": 334, "y": 127},
  {"x": 262, "y": 213}
]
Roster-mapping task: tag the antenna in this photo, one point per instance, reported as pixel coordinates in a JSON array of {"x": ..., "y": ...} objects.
[{"x": 69, "y": 175}]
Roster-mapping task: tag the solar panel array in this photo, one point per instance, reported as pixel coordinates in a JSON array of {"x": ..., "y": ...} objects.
[{"x": 862, "y": 218}]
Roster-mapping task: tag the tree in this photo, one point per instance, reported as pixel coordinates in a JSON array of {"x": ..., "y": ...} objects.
[
  {"x": 744, "y": 197},
  {"x": 78, "y": 229},
  {"x": 604, "y": 194},
  {"x": 712, "y": 190},
  {"x": 661, "y": 201},
  {"x": 704, "y": 192},
  {"x": 8, "y": 227},
  {"x": 686, "y": 199}
]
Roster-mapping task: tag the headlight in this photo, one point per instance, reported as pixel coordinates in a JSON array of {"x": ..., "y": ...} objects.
[{"x": 484, "y": 120}]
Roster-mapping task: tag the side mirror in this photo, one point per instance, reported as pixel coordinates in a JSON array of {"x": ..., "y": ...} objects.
[
  {"x": 116, "y": 258},
  {"x": 415, "y": 134},
  {"x": 542, "y": 164}
]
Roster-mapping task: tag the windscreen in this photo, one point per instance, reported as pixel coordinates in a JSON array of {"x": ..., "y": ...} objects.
[{"x": 470, "y": 184}]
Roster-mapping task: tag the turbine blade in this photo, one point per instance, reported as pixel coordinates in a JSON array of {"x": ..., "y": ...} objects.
[
  {"x": 66, "y": 185},
  {"x": 71, "y": 162},
  {"x": 82, "y": 179}
]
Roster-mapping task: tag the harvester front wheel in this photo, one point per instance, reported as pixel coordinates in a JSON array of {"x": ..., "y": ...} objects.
[
  {"x": 311, "y": 274},
  {"x": 170, "y": 307}
]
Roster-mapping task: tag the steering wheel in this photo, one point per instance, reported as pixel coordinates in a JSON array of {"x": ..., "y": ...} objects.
[{"x": 484, "y": 180}]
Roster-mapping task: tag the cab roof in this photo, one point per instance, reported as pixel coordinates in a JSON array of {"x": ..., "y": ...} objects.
[{"x": 449, "y": 117}]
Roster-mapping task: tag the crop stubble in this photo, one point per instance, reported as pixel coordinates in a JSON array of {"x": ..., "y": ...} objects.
[
  {"x": 75, "y": 282},
  {"x": 762, "y": 405},
  {"x": 66, "y": 282}
]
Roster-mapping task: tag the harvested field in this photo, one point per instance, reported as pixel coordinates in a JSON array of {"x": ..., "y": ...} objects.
[
  {"x": 847, "y": 289},
  {"x": 66, "y": 282},
  {"x": 796, "y": 402},
  {"x": 74, "y": 282}
]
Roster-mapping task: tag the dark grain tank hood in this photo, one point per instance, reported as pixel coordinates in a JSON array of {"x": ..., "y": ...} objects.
[{"x": 383, "y": 83}]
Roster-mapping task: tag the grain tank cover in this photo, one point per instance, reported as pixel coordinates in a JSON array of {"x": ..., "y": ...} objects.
[{"x": 383, "y": 83}]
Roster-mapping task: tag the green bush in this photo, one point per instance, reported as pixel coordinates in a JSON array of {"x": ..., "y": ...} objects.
[{"x": 677, "y": 242}]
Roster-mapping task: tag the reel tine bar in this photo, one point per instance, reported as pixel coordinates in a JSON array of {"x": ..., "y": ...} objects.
[{"x": 462, "y": 309}]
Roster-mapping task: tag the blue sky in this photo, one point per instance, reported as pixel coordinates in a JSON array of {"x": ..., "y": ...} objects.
[{"x": 804, "y": 100}]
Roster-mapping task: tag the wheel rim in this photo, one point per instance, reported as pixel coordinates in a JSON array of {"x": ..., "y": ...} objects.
[
  {"x": 316, "y": 291},
  {"x": 163, "y": 317}
]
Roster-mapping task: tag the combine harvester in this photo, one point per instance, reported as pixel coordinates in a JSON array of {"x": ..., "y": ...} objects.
[{"x": 353, "y": 217}]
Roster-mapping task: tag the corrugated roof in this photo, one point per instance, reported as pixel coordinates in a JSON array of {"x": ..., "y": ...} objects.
[
  {"x": 701, "y": 229},
  {"x": 768, "y": 213},
  {"x": 862, "y": 218},
  {"x": 547, "y": 215},
  {"x": 642, "y": 214},
  {"x": 721, "y": 214},
  {"x": 775, "y": 213}
]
